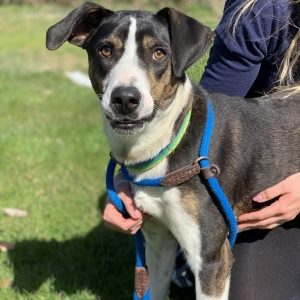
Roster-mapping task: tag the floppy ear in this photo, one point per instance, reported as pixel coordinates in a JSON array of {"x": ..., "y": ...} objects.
[
  {"x": 77, "y": 26},
  {"x": 189, "y": 39}
]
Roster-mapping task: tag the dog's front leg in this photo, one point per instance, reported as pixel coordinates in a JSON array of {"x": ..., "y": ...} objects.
[
  {"x": 160, "y": 257},
  {"x": 214, "y": 277}
]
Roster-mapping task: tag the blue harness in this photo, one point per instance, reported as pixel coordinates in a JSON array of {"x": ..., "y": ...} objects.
[{"x": 212, "y": 184}]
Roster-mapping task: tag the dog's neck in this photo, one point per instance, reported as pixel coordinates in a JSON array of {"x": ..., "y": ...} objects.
[{"x": 133, "y": 149}]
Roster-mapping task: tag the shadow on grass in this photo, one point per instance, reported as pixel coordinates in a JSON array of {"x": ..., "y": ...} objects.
[{"x": 101, "y": 262}]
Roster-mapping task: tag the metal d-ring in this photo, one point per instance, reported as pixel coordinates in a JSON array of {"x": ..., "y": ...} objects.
[
  {"x": 215, "y": 169},
  {"x": 211, "y": 170},
  {"x": 201, "y": 158}
]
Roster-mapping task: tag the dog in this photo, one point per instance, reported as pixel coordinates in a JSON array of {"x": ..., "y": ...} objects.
[{"x": 137, "y": 64}]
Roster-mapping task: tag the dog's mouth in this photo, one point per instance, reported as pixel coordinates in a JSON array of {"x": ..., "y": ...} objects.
[{"x": 128, "y": 125}]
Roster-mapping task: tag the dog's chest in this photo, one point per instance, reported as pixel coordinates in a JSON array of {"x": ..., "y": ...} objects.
[{"x": 157, "y": 201}]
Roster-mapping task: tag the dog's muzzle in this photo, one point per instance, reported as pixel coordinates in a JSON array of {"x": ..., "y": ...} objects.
[
  {"x": 125, "y": 100},
  {"x": 124, "y": 103}
]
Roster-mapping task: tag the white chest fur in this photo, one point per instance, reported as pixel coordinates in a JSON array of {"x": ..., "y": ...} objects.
[{"x": 165, "y": 205}]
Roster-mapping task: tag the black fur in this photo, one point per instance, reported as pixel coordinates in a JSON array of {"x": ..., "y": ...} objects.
[
  {"x": 77, "y": 26},
  {"x": 183, "y": 32}
]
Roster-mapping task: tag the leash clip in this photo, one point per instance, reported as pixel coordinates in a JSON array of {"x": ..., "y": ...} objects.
[{"x": 210, "y": 171}]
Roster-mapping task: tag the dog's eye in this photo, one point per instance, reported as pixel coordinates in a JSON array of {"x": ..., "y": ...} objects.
[
  {"x": 105, "y": 51},
  {"x": 159, "y": 54}
]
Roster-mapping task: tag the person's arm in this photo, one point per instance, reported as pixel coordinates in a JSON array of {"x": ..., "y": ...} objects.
[
  {"x": 229, "y": 73},
  {"x": 284, "y": 209},
  {"x": 246, "y": 62}
]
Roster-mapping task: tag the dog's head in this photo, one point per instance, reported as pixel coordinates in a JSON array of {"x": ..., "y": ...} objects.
[{"x": 136, "y": 59}]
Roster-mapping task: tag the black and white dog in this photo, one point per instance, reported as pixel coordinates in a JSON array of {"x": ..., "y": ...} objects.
[{"x": 137, "y": 64}]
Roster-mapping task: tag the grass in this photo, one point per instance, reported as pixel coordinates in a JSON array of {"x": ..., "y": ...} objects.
[{"x": 53, "y": 156}]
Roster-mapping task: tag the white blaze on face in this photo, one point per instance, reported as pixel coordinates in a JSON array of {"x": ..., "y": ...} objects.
[{"x": 127, "y": 72}]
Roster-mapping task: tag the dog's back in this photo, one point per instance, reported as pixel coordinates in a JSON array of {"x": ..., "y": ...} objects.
[{"x": 256, "y": 142}]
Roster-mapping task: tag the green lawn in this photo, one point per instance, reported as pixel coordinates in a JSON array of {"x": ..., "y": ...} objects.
[{"x": 53, "y": 156}]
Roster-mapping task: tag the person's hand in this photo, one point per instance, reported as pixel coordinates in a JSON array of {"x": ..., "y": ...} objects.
[
  {"x": 284, "y": 209},
  {"x": 113, "y": 219}
]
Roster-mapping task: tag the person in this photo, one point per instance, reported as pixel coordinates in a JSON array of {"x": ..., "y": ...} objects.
[{"x": 255, "y": 51}]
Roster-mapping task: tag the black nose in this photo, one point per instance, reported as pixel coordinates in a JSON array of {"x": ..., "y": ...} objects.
[{"x": 125, "y": 100}]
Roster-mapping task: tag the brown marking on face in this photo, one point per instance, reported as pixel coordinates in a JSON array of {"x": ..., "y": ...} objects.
[
  {"x": 97, "y": 77},
  {"x": 217, "y": 269},
  {"x": 190, "y": 203},
  {"x": 148, "y": 42},
  {"x": 163, "y": 89},
  {"x": 116, "y": 41}
]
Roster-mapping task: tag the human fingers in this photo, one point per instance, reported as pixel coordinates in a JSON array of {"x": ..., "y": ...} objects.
[
  {"x": 265, "y": 224},
  {"x": 124, "y": 191},
  {"x": 283, "y": 210},
  {"x": 287, "y": 185},
  {"x": 260, "y": 215},
  {"x": 139, "y": 225},
  {"x": 127, "y": 229},
  {"x": 278, "y": 208},
  {"x": 113, "y": 219},
  {"x": 270, "y": 193}
]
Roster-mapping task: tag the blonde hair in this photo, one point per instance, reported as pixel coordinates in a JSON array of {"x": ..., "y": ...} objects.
[{"x": 292, "y": 55}]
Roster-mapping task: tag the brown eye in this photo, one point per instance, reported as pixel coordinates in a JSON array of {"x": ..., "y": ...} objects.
[
  {"x": 159, "y": 54},
  {"x": 106, "y": 51}
]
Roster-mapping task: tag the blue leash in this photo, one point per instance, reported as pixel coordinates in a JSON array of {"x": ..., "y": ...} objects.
[
  {"x": 212, "y": 183},
  {"x": 140, "y": 260}
]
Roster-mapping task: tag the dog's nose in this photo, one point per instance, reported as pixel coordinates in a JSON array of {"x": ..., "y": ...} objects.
[{"x": 125, "y": 100}]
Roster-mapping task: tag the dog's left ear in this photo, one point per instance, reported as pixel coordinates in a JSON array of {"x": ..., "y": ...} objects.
[
  {"x": 77, "y": 26},
  {"x": 189, "y": 39}
]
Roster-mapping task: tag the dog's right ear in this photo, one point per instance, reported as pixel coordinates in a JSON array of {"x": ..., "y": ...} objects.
[
  {"x": 189, "y": 38},
  {"x": 77, "y": 26}
]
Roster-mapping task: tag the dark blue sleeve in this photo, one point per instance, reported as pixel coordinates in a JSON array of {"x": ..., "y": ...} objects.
[{"x": 250, "y": 58}]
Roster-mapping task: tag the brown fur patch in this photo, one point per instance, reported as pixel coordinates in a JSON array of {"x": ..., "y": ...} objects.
[
  {"x": 162, "y": 89},
  {"x": 246, "y": 205},
  {"x": 190, "y": 203},
  {"x": 216, "y": 270},
  {"x": 116, "y": 41},
  {"x": 148, "y": 41}
]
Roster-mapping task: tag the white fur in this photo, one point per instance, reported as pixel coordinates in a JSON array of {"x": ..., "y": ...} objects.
[
  {"x": 127, "y": 72},
  {"x": 164, "y": 204},
  {"x": 161, "y": 250}
]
